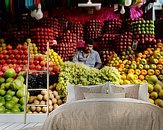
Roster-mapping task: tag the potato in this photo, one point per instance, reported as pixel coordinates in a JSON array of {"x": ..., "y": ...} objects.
[
  {"x": 43, "y": 92},
  {"x": 55, "y": 106},
  {"x": 39, "y": 97},
  {"x": 42, "y": 103},
  {"x": 36, "y": 102},
  {"x": 55, "y": 93},
  {"x": 44, "y": 109},
  {"x": 50, "y": 108},
  {"x": 31, "y": 99},
  {"x": 54, "y": 100},
  {"x": 32, "y": 108},
  {"x": 45, "y": 97},
  {"x": 59, "y": 102},
  {"x": 38, "y": 109},
  {"x": 57, "y": 97}
]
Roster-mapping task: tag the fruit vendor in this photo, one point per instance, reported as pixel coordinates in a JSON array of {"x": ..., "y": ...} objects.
[{"x": 88, "y": 56}]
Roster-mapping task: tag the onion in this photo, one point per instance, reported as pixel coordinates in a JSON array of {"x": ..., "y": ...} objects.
[
  {"x": 59, "y": 101},
  {"x": 54, "y": 100},
  {"x": 55, "y": 106},
  {"x": 38, "y": 109},
  {"x": 44, "y": 109},
  {"x": 32, "y": 108},
  {"x": 43, "y": 92},
  {"x": 39, "y": 97},
  {"x": 42, "y": 103},
  {"x": 40, "y": 112},
  {"x": 36, "y": 102}
]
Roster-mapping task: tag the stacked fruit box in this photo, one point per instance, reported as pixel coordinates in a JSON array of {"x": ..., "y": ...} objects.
[{"x": 93, "y": 29}]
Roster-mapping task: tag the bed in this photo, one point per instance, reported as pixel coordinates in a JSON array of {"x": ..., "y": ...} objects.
[
  {"x": 106, "y": 114},
  {"x": 102, "y": 113}
]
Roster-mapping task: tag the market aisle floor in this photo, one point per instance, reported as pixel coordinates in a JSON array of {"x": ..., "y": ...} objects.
[{"x": 17, "y": 126}]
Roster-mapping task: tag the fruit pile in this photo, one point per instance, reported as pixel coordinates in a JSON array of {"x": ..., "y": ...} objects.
[
  {"x": 2, "y": 45},
  {"x": 93, "y": 29},
  {"x": 155, "y": 89},
  {"x": 141, "y": 66},
  {"x": 12, "y": 89},
  {"x": 68, "y": 37},
  {"x": 16, "y": 56},
  {"x": 41, "y": 36},
  {"x": 78, "y": 73},
  {"x": 33, "y": 48},
  {"x": 112, "y": 26},
  {"x": 76, "y": 28},
  {"x": 38, "y": 62},
  {"x": 123, "y": 41},
  {"x": 105, "y": 56},
  {"x": 143, "y": 27},
  {"x": 52, "y": 23},
  {"x": 55, "y": 58},
  {"x": 66, "y": 50},
  {"x": 63, "y": 22},
  {"x": 41, "y": 99}
]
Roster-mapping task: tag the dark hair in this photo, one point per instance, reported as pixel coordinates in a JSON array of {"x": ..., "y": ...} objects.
[{"x": 89, "y": 41}]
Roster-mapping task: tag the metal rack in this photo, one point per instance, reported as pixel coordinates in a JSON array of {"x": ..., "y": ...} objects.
[
  {"x": 154, "y": 6},
  {"x": 36, "y": 89}
]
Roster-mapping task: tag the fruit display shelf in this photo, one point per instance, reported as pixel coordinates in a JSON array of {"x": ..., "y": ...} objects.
[{"x": 93, "y": 29}]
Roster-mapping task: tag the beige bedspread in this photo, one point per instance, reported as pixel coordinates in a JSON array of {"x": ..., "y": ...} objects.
[{"x": 106, "y": 114}]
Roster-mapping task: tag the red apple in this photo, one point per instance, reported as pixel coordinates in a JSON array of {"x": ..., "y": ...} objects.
[
  {"x": 32, "y": 67},
  {"x": 38, "y": 67},
  {"x": 15, "y": 52}
]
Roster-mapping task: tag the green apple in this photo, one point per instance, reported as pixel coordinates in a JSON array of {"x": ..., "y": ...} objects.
[
  {"x": 150, "y": 88},
  {"x": 143, "y": 61},
  {"x": 146, "y": 67},
  {"x": 140, "y": 66},
  {"x": 153, "y": 66},
  {"x": 133, "y": 66},
  {"x": 154, "y": 95}
]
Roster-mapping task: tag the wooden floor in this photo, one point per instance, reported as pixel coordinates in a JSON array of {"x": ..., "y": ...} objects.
[{"x": 17, "y": 126}]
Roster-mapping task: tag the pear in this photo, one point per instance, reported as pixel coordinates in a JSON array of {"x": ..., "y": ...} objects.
[
  {"x": 151, "y": 101},
  {"x": 159, "y": 102},
  {"x": 161, "y": 94},
  {"x": 157, "y": 88},
  {"x": 150, "y": 87},
  {"x": 154, "y": 95}
]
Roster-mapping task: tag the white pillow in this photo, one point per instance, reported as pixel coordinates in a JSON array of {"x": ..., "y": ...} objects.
[
  {"x": 143, "y": 92},
  {"x": 71, "y": 91},
  {"x": 71, "y": 95},
  {"x": 103, "y": 95}
]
